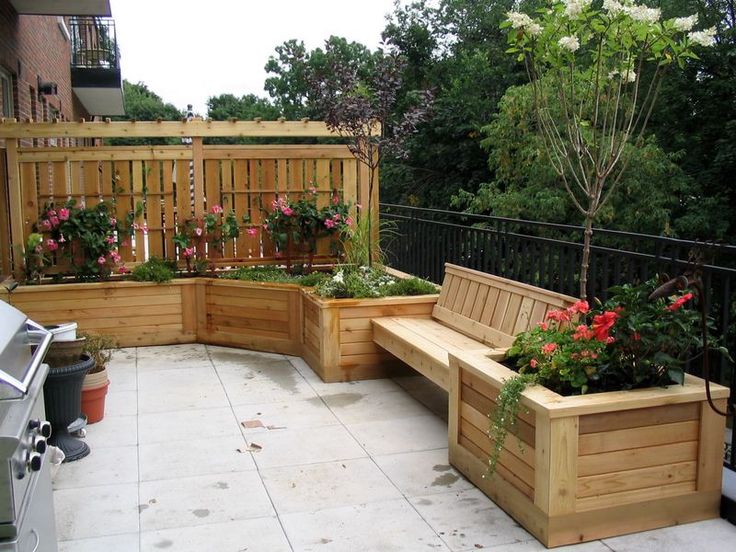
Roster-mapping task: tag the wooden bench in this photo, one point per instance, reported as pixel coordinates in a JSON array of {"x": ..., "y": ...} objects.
[{"x": 475, "y": 312}]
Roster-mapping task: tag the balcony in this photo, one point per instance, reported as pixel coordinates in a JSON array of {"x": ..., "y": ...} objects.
[
  {"x": 95, "y": 65},
  {"x": 70, "y": 7}
]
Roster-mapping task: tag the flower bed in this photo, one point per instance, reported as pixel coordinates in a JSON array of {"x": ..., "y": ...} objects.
[{"x": 591, "y": 466}]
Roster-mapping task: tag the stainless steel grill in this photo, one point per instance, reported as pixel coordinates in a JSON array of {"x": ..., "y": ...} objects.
[{"x": 26, "y": 501}]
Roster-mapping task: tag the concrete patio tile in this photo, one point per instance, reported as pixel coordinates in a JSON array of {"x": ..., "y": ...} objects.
[
  {"x": 202, "y": 500},
  {"x": 118, "y": 543},
  {"x": 391, "y": 525},
  {"x": 715, "y": 535},
  {"x": 322, "y": 388},
  {"x": 353, "y": 406},
  {"x": 123, "y": 377},
  {"x": 172, "y": 357},
  {"x": 124, "y": 355},
  {"x": 422, "y": 473},
  {"x": 240, "y": 357},
  {"x": 289, "y": 447},
  {"x": 187, "y": 424},
  {"x": 253, "y": 535},
  {"x": 278, "y": 382},
  {"x": 318, "y": 486},
  {"x": 401, "y": 435},
  {"x": 103, "y": 466},
  {"x": 96, "y": 511},
  {"x": 121, "y": 403},
  {"x": 468, "y": 519},
  {"x": 294, "y": 414},
  {"x": 112, "y": 431},
  {"x": 194, "y": 457},
  {"x": 192, "y": 388},
  {"x": 536, "y": 546}
]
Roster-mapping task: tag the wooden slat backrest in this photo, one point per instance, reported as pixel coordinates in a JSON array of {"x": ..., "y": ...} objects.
[{"x": 492, "y": 309}]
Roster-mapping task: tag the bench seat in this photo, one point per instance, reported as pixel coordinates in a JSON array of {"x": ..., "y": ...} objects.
[{"x": 475, "y": 312}]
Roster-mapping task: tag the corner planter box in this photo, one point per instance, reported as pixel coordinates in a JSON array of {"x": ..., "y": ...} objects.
[
  {"x": 591, "y": 466},
  {"x": 250, "y": 315},
  {"x": 338, "y": 336},
  {"x": 134, "y": 313}
]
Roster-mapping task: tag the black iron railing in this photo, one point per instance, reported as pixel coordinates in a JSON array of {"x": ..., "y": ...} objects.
[
  {"x": 94, "y": 43},
  {"x": 548, "y": 255}
]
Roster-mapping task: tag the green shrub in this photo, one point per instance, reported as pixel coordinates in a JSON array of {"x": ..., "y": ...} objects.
[
  {"x": 274, "y": 274},
  {"x": 412, "y": 286},
  {"x": 155, "y": 270},
  {"x": 366, "y": 282}
]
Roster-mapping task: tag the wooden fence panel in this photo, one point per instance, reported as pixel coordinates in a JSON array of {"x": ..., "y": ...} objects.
[
  {"x": 5, "y": 257},
  {"x": 163, "y": 180}
]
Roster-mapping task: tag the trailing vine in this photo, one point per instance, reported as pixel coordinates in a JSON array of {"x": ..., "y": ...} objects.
[{"x": 503, "y": 418}]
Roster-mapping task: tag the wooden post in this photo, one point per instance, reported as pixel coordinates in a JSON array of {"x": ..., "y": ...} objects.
[
  {"x": 15, "y": 208},
  {"x": 198, "y": 170},
  {"x": 5, "y": 256}
]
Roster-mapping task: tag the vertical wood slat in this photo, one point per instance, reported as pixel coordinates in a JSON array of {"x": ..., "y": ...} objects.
[
  {"x": 154, "y": 219},
  {"x": 75, "y": 181},
  {"x": 123, "y": 205},
  {"x": 29, "y": 185},
  {"x": 245, "y": 242},
  {"x": 91, "y": 176},
  {"x": 212, "y": 197},
  {"x": 167, "y": 182},
  {"x": 227, "y": 199},
  {"x": 324, "y": 196},
  {"x": 59, "y": 188},
  {"x": 137, "y": 199},
  {"x": 198, "y": 175}
]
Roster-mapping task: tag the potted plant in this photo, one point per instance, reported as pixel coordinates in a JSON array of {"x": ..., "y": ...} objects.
[{"x": 94, "y": 387}]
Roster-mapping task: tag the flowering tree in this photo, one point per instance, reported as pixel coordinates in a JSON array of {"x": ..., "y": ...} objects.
[{"x": 596, "y": 73}]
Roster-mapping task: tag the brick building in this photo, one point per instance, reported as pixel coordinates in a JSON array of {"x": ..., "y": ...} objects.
[{"x": 58, "y": 60}]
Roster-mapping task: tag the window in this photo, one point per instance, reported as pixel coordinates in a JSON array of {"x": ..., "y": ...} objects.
[{"x": 6, "y": 94}]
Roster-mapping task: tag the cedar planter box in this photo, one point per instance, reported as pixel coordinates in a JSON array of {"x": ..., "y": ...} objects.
[
  {"x": 250, "y": 315},
  {"x": 135, "y": 314},
  {"x": 338, "y": 336},
  {"x": 595, "y": 466}
]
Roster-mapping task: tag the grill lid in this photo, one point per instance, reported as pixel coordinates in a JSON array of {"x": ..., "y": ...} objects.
[{"x": 17, "y": 364}]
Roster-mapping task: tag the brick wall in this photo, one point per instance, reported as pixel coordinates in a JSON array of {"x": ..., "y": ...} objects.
[{"x": 33, "y": 47}]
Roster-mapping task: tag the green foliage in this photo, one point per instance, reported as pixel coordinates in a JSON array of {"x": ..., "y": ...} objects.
[
  {"x": 142, "y": 104},
  {"x": 154, "y": 270},
  {"x": 35, "y": 258},
  {"x": 245, "y": 108},
  {"x": 100, "y": 347},
  {"x": 370, "y": 282},
  {"x": 275, "y": 274},
  {"x": 211, "y": 230}
]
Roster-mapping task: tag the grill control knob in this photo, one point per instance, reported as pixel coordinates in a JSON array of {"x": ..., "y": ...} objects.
[
  {"x": 39, "y": 445},
  {"x": 35, "y": 461},
  {"x": 43, "y": 427}
]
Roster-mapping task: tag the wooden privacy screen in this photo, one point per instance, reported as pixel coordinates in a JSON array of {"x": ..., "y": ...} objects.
[{"x": 244, "y": 178}]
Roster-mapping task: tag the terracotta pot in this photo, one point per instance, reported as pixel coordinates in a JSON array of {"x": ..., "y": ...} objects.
[{"x": 94, "y": 390}]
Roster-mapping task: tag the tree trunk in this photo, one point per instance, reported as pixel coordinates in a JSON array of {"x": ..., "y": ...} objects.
[{"x": 587, "y": 235}]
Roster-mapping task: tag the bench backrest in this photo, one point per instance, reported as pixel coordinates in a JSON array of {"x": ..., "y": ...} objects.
[{"x": 492, "y": 309}]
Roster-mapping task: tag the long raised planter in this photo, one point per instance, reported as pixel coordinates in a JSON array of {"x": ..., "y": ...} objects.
[
  {"x": 338, "y": 336},
  {"x": 587, "y": 467}
]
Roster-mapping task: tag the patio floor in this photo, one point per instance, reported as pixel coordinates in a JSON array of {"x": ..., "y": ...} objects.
[{"x": 214, "y": 449}]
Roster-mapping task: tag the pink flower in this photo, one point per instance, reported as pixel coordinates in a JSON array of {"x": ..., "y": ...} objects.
[
  {"x": 313, "y": 190},
  {"x": 583, "y": 332},
  {"x": 198, "y": 231},
  {"x": 335, "y": 199},
  {"x": 123, "y": 269},
  {"x": 101, "y": 260},
  {"x": 188, "y": 252},
  {"x": 136, "y": 226},
  {"x": 46, "y": 224},
  {"x": 52, "y": 245},
  {"x": 63, "y": 213},
  {"x": 115, "y": 256},
  {"x": 543, "y": 326},
  {"x": 54, "y": 221},
  {"x": 145, "y": 228},
  {"x": 288, "y": 211},
  {"x": 51, "y": 213},
  {"x": 216, "y": 209},
  {"x": 252, "y": 231},
  {"x": 533, "y": 363},
  {"x": 679, "y": 302},
  {"x": 358, "y": 206},
  {"x": 111, "y": 239},
  {"x": 265, "y": 226},
  {"x": 38, "y": 248},
  {"x": 113, "y": 221},
  {"x": 581, "y": 306},
  {"x": 62, "y": 239},
  {"x": 549, "y": 348},
  {"x": 336, "y": 216},
  {"x": 559, "y": 315},
  {"x": 329, "y": 223},
  {"x": 349, "y": 221}
]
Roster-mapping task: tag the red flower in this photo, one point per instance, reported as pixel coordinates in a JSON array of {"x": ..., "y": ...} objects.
[
  {"x": 583, "y": 332},
  {"x": 602, "y": 324},
  {"x": 582, "y": 307},
  {"x": 549, "y": 348},
  {"x": 636, "y": 336},
  {"x": 533, "y": 363},
  {"x": 679, "y": 302},
  {"x": 559, "y": 315},
  {"x": 543, "y": 326}
]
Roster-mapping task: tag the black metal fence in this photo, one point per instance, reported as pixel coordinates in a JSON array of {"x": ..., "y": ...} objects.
[
  {"x": 94, "y": 42},
  {"x": 549, "y": 255}
]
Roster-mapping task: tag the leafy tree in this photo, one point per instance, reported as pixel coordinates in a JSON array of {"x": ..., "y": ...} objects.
[
  {"x": 245, "y": 108},
  {"x": 142, "y": 104}
]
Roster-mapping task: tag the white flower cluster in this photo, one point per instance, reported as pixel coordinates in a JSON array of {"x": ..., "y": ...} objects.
[
  {"x": 569, "y": 43},
  {"x": 613, "y": 7},
  {"x": 629, "y": 75},
  {"x": 706, "y": 37},
  {"x": 644, "y": 13},
  {"x": 523, "y": 21},
  {"x": 684, "y": 24},
  {"x": 573, "y": 8}
]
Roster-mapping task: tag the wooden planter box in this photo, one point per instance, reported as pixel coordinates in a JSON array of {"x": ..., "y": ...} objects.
[
  {"x": 595, "y": 466},
  {"x": 338, "y": 336},
  {"x": 134, "y": 313},
  {"x": 250, "y": 315}
]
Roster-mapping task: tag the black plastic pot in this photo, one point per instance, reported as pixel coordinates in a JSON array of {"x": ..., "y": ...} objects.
[{"x": 63, "y": 398}]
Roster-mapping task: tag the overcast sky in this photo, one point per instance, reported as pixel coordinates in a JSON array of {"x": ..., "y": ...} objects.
[{"x": 187, "y": 51}]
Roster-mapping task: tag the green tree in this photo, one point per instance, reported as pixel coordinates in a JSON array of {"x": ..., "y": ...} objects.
[
  {"x": 142, "y": 104},
  {"x": 245, "y": 108}
]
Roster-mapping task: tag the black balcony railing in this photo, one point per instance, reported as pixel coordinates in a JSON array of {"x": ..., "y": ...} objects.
[
  {"x": 94, "y": 44},
  {"x": 549, "y": 255}
]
